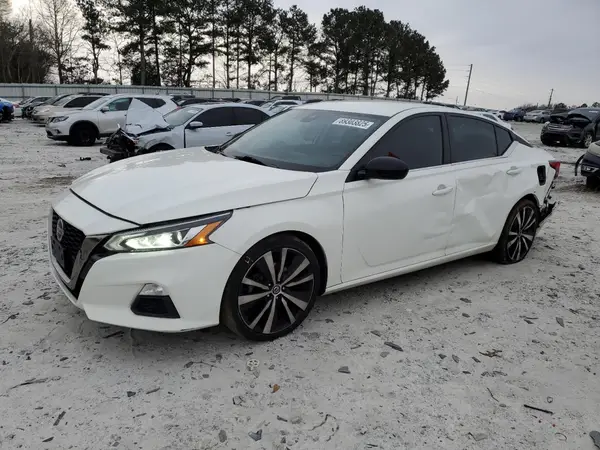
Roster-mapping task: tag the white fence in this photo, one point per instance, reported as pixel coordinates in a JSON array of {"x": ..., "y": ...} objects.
[{"x": 17, "y": 92}]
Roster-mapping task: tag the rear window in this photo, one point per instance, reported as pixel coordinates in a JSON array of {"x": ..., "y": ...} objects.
[
  {"x": 152, "y": 102},
  {"x": 471, "y": 139},
  {"x": 503, "y": 140}
]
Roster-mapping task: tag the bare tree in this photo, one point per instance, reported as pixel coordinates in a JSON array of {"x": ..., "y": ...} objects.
[{"x": 59, "y": 22}]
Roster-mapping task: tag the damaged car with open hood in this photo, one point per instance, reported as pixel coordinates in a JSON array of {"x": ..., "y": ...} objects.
[
  {"x": 580, "y": 127},
  {"x": 207, "y": 125}
]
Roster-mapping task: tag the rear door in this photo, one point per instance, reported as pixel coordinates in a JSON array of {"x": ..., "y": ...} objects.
[
  {"x": 218, "y": 126},
  {"x": 487, "y": 181}
]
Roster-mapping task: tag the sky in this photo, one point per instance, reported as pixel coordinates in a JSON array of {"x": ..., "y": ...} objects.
[{"x": 520, "y": 49}]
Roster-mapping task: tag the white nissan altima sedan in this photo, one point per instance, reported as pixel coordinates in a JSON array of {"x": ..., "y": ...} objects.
[{"x": 325, "y": 197}]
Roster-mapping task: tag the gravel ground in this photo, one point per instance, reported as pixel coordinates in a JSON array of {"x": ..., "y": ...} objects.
[{"x": 479, "y": 341}]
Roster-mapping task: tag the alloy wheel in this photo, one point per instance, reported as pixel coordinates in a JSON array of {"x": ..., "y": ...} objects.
[
  {"x": 521, "y": 234},
  {"x": 276, "y": 290},
  {"x": 587, "y": 140}
]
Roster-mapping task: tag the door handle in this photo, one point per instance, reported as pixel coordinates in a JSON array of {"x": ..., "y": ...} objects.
[
  {"x": 229, "y": 133},
  {"x": 442, "y": 190},
  {"x": 514, "y": 171}
]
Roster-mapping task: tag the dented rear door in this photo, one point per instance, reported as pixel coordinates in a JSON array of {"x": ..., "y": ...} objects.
[{"x": 487, "y": 185}]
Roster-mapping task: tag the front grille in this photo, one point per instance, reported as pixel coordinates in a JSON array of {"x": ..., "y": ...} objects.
[{"x": 70, "y": 244}]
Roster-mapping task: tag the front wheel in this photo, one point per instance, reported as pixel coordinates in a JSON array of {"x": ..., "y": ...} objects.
[
  {"x": 83, "y": 135},
  {"x": 518, "y": 233},
  {"x": 587, "y": 140},
  {"x": 272, "y": 288},
  {"x": 592, "y": 182}
]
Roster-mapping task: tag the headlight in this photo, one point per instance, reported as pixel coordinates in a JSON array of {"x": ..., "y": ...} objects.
[
  {"x": 191, "y": 233},
  {"x": 59, "y": 119},
  {"x": 545, "y": 125}
]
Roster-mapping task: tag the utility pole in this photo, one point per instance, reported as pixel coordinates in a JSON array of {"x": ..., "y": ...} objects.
[
  {"x": 550, "y": 99},
  {"x": 468, "y": 84}
]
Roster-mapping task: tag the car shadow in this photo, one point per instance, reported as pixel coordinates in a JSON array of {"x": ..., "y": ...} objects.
[{"x": 330, "y": 312}]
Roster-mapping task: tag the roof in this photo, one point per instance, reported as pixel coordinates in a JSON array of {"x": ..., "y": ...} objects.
[
  {"x": 211, "y": 105},
  {"x": 386, "y": 108},
  {"x": 133, "y": 94}
]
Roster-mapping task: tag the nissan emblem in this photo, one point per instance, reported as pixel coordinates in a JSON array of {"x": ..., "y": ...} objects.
[{"x": 60, "y": 229}]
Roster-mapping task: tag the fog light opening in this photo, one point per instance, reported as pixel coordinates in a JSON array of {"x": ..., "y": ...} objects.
[{"x": 154, "y": 290}]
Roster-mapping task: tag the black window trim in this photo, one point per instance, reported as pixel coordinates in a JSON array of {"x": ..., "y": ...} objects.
[
  {"x": 352, "y": 175},
  {"x": 510, "y": 135}
]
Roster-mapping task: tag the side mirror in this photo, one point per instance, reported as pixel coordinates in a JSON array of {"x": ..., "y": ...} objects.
[
  {"x": 105, "y": 109},
  {"x": 386, "y": 168},
  {"x": 194, "y": 125}
]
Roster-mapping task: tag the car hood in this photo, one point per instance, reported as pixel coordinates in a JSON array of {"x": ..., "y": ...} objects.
[
  {"x": 185, "y": 183},
  {"x": 60, "y": 110}
]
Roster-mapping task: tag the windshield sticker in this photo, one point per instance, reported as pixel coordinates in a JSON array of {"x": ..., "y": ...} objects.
[{"x": 354, "y": 123}]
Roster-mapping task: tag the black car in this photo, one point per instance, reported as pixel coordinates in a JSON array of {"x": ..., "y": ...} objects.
[
  {"x": 255, "y": 102},
  {"x": 516, "y": 114},
  {"x": 589, "y": 165},
  {"x": 578, "y": 127},
  {"x": 197, "y": 101}
]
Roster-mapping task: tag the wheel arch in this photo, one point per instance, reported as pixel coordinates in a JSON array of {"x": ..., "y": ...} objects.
[
  {"x": 84, "y": 122},
  {"x": 314, "y": 245},
  {"x": 160, "y": 146}
]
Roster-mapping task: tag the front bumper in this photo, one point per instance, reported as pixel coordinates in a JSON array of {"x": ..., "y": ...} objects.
[
  {"x": 106, "y": 285},
  {"x": 564, "y": 138},
  {"x": 57, "y": 131}
]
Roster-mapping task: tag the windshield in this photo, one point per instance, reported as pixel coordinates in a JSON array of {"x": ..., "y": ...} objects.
[
  {"x": 96, "y": 103},
  {"x": 305, "y": 139},
  {"x": 182, "y": 115}
]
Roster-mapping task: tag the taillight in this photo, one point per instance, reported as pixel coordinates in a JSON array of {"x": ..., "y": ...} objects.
[{"x": 556, "y": 166}]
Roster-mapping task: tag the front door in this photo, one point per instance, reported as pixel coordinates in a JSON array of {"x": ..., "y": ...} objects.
[
  {"x": 114, "y": 118},
  {"x": 218, "y": 126},
  {"x": 390, "y": 224}
]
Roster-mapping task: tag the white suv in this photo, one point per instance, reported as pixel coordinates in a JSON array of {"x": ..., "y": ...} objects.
[
  {"x": 203, "y": 125},
  {"x": 100, "y": 118}
]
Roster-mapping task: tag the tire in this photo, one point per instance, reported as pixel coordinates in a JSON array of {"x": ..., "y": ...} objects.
[
  {"x": 547, "y": 142},
  {"x": 5, "y": 115},
  {"x": 518, "y": 233},
  {"x": 592, "y": 182},
  {"x": 262, "y": 300},
  {"x": 587, "y": 140},
  {"x": 83, "y": 135}
]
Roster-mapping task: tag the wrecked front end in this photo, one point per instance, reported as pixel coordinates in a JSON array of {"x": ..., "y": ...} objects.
[{"x": 565, "y": 130}]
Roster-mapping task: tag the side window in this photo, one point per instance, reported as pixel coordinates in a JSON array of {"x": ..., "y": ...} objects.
[
  {"x": 249, "y": 116},
  {"x": 152, "y": 102},
  {"x": 80, "y": 102},
  {"x": 120, "y": 104},
  {"x": 503, "y": 140},
  {"x": 217, "y": 117},
  {"x": 471, "y": 139},
  {"x": 417, "y": 141}
]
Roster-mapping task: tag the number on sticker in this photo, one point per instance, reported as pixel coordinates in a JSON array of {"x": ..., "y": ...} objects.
[{"x": 355, "y": 123}]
